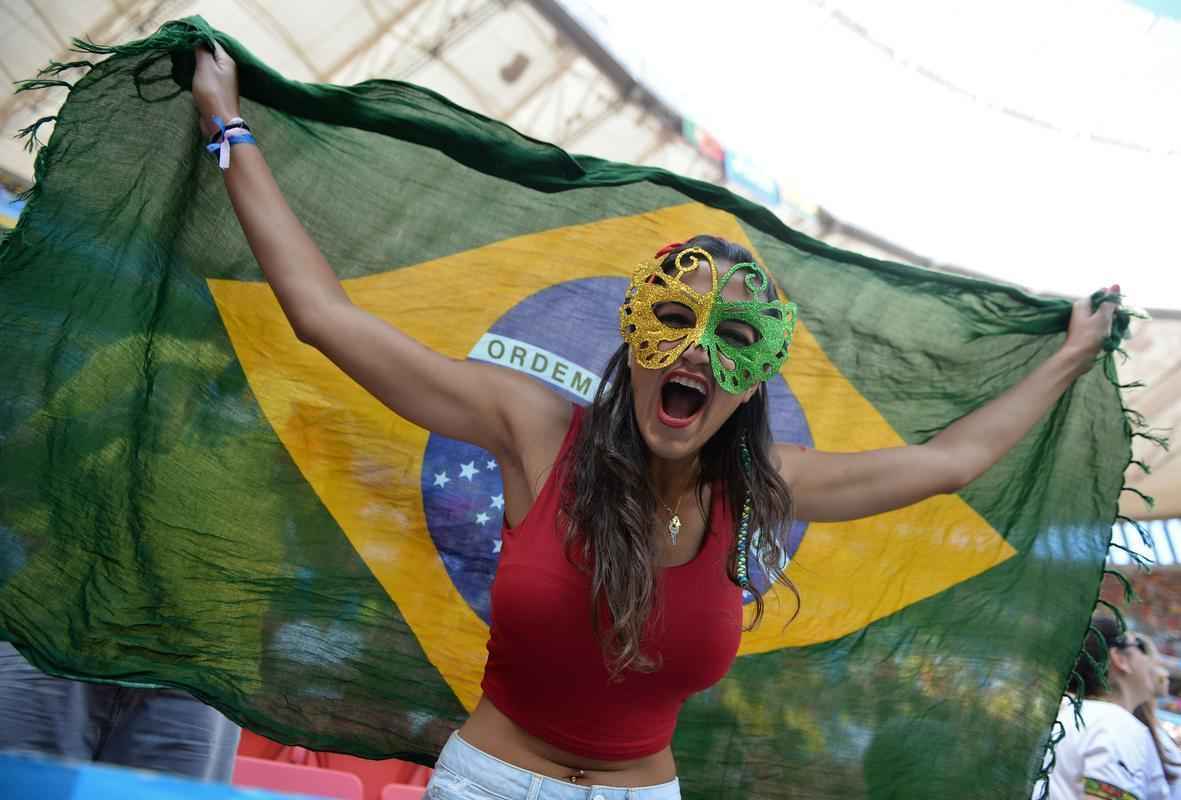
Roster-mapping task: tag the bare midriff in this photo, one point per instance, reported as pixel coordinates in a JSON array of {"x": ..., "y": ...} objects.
[{"x": 488, "y": 729}]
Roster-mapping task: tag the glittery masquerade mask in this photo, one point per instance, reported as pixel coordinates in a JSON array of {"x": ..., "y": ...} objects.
[{"x": 747, "y": 340}]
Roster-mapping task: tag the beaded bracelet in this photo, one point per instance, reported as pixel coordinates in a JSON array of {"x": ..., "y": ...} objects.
[
  {"x": 234, "y": 124},
  {"x": 227, "y": 134}
]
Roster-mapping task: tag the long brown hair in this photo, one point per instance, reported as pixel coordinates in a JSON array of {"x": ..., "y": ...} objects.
[
  {"x": 1146, "y": 713},
  {"x": 610, "y": 503}
]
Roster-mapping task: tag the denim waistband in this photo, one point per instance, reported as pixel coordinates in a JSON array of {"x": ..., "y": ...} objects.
[{"x": 511, "y": 782}]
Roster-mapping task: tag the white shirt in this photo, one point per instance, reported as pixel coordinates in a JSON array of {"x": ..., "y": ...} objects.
[{"x": 1112, "y": 756}]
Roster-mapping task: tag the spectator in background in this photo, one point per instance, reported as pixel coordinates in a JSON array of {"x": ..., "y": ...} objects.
[
  {"x": 1113, "y": 754},
  {"x": 1166, "y": 748},
  {"x": 163, "y": 729}
]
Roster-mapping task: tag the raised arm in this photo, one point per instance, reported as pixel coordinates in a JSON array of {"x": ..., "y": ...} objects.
[
  {"x": 478, "y": 403},
  {"x": 830, "y": 487}
]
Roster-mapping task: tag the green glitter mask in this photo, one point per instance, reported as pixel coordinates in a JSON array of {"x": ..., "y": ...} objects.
[{"x": 747, "y": 340}]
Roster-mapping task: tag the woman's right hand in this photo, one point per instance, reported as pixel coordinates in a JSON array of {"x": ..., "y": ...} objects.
[{"x": 215, "y": 87}]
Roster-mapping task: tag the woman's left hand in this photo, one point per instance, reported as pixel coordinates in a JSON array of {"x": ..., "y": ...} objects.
[
  {"x": 215, "y": 86},
  {"x": 1088, "y": 328}
]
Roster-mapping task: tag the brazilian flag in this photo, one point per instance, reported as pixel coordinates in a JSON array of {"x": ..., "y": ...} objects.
[{"x": 191, "y": 497}]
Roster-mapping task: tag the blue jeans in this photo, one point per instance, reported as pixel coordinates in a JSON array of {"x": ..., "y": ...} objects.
[
  {"x": 158, "y": 729},
  {"x": 465, "y": 773}
]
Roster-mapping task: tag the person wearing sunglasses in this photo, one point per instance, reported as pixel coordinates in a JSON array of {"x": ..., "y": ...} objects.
[
  {"x": 1112, "y": 755},
  {"x": 1166, "y": 748}
]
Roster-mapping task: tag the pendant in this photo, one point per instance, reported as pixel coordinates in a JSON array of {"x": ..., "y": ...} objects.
[{"x": 674, "y": 527}]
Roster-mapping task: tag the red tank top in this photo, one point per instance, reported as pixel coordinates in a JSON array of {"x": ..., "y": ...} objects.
[{"x": 546, "y": 670}]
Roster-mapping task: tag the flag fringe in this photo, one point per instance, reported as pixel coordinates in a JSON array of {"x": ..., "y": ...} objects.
[
  {"x": 1148, "y": 499},
  {"x": 32, "y": 84},
  {"x": 58, "y": 67},
  {"x": 1116, "y": 612},
  {"x": 1129, "y": 591},
  {"x": 29, "y": 133},
  {"x": 1151, "y": 435},
  {"x": 177, "y": 34},
  {"x": 1143, "y": 563},
  {"x": 171, "y": 37},
  {"x": 1134, "y": 417},
  {"x": 1145, "y": 536}
]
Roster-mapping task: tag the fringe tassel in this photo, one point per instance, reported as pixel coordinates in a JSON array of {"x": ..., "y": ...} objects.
[
  {"x": 1135, "y": 417},
  {"x": 58, "y": 67},
  {"x": 1075, "y": 688},
  {"x": 41, "y": 83},
  {"x": 1158, "y": 439},
  {"x": 1119, "y": 615},
  {"x": 1050, "y": 758},
  {"x": 1147, "y": 470},
  {"x": 1100, "y": 667},
  {"x": 1145, "y": 536},
  {"x": 1129, "y": 592},
  {"x": 29, "y": 133},
  {"x": 1139, "y": 560},
  {"x": 39, "y": 165},
  {"x": 1148, "y": 499},
  {"x": 184, "y": 34},
  {"x": 178, "y": 34}
]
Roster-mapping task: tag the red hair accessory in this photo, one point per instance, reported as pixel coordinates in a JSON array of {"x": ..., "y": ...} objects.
[{"x": 668, "y": 248}]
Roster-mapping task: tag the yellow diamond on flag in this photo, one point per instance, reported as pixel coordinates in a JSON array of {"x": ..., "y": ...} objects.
[{"x": 366, "y": 464}]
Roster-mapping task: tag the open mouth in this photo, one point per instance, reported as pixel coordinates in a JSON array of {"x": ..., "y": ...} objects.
[{"x": 682, "y": 398}]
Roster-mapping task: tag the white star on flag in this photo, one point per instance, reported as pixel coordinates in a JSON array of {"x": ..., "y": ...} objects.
[
  {"x": 490, "y": 464},
  {"x": 482, "y": 518},
  {"x": 498, "y": 502},
  {"x": 441, "y": 479},
  {"x": 468, "y": 470},
  {"x": 495, "y": 545}
]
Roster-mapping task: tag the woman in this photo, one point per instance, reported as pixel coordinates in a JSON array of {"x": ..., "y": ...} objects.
[
  {"x": 1166, "y": 748},
  {"x": 627, "y": 525},
  {"x": 1113, "y": 754}
]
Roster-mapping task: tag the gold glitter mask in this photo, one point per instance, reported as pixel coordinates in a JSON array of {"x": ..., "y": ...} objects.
[
  {"x": 687, "y": 317},
  {"x": 649, "y": 288}
]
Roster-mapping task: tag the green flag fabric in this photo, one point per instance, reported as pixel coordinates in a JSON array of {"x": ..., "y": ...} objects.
[{"x": 191, "y": 497}]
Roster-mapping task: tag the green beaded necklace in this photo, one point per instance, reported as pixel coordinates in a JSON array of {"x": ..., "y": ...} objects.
[{"x": 744, "y": 523}]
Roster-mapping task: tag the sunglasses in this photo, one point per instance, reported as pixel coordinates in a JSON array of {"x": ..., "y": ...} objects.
[{"x": 1138, "y": 643}]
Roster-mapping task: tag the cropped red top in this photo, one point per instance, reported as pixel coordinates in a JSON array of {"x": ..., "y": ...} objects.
[{"x": 546, "y": 670}]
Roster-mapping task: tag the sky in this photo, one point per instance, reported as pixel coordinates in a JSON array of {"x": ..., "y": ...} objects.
[{"x": 1038, "y": 142}]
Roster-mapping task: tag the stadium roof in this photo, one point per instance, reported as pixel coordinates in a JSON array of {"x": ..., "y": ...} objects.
[{"x": 546, "y": 68}]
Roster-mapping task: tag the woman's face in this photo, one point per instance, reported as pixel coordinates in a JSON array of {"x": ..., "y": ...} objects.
[
  {"x": 678, "y": 408},
  {"x": 1137, "y": 667},
  {"x": 1160, "y": 672}
]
